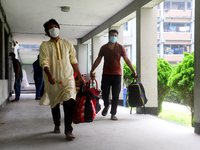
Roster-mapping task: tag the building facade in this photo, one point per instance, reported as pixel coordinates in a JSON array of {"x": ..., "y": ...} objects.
[{"x": 175, "y": 29}]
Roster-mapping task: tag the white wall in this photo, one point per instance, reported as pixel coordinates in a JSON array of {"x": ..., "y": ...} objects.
[
  {"x": 29, "y": 73},
  {"x": 4, "y": 93}
]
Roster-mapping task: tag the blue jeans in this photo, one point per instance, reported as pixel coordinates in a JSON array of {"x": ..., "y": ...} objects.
[
  {"x": 38, "y": 85},
  {"x": 17, "y": 88},
  {"x": 107, "y": 82}
]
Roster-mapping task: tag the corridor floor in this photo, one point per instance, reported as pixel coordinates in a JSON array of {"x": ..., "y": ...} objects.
[{"x": 25, "y": 125}]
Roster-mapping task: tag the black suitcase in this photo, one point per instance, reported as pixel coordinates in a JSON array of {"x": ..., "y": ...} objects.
[{"x": 136, "y": 95}]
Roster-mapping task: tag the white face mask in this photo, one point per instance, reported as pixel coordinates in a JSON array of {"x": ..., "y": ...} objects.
[{"x": 54, "y": 32}]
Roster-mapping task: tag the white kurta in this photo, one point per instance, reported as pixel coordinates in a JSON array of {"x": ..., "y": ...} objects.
[{"x": 58, "y": 56}]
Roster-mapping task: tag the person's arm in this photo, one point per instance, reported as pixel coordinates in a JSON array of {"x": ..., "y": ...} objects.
[
  {"x": 76, "y": 69},
  {"x": 128, "y": 62},
  {"x": 95, "y": 65},
  {"x": 49, "y": 75}
]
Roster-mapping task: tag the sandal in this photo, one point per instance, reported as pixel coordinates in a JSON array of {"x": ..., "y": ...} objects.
[
  {"x": 56, "y": 129},
  {"x": 113, "y": 117},
  {"x": 105, "y": 111},
  {"x": 70, "y": 136}
]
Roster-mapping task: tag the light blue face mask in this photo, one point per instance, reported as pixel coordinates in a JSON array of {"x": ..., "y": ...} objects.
[
  {"x": 113, "y": 39},
  {"x": 10, "y": 57}
]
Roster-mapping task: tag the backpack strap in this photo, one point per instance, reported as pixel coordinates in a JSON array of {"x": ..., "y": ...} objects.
[
  {"x": 131, "y": 111},
  {"x": 144, "y": 110}
]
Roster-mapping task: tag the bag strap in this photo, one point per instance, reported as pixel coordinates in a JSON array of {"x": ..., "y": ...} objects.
[
  {"x": 89, "y": 83},
  {"x": 131, "y": 111},
  {"x": 143, "y": 107}
]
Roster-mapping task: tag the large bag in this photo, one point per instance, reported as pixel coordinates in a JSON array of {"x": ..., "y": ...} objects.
[
  {"x": 137, "y": 97},
  {"x": 84, "y": 109},
  {"x": 96, "y": 93}
]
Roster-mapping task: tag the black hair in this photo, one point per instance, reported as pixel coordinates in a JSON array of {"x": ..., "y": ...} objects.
[
  {"x": 13, "y": 54},
  {"x": 49, "y": 22},
  {"x": 113, "y": 31}
]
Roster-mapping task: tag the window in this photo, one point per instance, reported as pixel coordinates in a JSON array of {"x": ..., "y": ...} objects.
[
  {"x": 23, "y": 46},
  {"x": 178, "y": 6},
  {"x": 158, "y": 6},
  {"x": 176, "y": 27},
  {"x": 126, "y": 26},
  {"x": 158, "y": 48},
  {"x": 189, "y": 6},
  {"x": 176, "y": 49},
  {"x": 166, "y": 5},
  {"x": 158, "y": 27}
]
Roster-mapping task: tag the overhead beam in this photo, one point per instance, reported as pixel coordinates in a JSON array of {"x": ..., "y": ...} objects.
[{"x": 128, "y": 10}]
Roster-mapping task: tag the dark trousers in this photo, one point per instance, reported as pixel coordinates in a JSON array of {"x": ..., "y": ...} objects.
[
  {"x": 68, "y": 107},
  {"x": 17, "y": 87},
  {"x": 38, "y": 85},
  {"x": 114, "y": 82}
]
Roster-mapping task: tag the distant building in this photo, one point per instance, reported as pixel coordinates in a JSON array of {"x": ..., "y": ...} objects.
[{"x": 175, "y": 29}]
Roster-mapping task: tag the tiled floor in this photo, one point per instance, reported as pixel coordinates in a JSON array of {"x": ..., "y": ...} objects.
[{"x": 27, "y": 126}]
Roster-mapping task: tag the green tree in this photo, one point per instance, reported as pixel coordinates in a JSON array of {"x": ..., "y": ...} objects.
[
  {"x": 164, "y": 70},
  {"x": 127, "y": 74},
  {"x": 182, "y": 80}
]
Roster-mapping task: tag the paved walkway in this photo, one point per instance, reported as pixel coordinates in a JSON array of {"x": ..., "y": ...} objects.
[{"x": 27, "y": 126}]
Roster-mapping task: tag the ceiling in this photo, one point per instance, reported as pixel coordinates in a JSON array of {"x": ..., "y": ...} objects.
[{"x": 26, "y": 19}]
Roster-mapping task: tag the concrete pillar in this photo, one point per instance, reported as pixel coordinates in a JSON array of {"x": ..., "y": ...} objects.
[
  {"x": 82, "y": 57},
  {"x": 120, "y": 41},
  {"x": 146, "y": 49},
  {"x": 97, "y": 43},
  {"x": 196, "y": 69}
]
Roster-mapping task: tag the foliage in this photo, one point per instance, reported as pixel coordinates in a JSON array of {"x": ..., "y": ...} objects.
[
  {"x": 173, "y": 97},
  {"x": 164, "y": 70},
  {"x": 127, "y": 74},
  {"x": 182, "y": 81}
]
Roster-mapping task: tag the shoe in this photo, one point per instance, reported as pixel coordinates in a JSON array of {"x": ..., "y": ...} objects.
[
  {"x": 113, "y": 117},
  {"x": 15, "y": 100},
  {"x": 56, "y": 129},
  {"x": 37, "y": 98},
  {"x": 70, "y": 136},
  {"x": 105, "y": 111}
]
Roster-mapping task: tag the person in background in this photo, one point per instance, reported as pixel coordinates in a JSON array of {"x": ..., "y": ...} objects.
[
  {"x": 58, "y": 60},
  {"x": 18, "y": 76},
  {"x": 38, "y": 78},
  {"x": 112, "y": 53}
]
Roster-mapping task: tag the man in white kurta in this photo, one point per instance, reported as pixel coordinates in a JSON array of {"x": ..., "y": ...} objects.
[{"x": 57, "y": 58}]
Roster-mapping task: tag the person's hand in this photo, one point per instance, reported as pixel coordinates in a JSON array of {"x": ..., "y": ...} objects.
[
  {"x": 134, "y": 75},
  {"x": 51, "y": 80},
  {"x": 81, "y": 80},
  {"x": 92, "y": 76}
]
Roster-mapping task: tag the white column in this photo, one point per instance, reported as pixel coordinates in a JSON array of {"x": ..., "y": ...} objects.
[
  {"x": 196, "y": 69},
  {"x": 82, "y": 57},
  {"x": 146, "y": 24}
]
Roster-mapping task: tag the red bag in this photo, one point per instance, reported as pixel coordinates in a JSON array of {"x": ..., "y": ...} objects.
[
  {"x": 84, "y": 109},
  {"x": 96, "y": 92}
]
